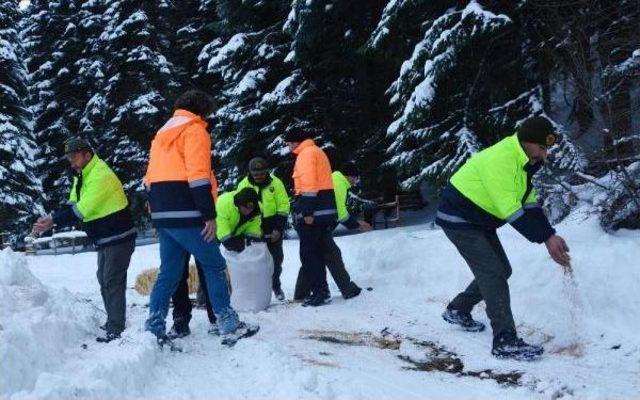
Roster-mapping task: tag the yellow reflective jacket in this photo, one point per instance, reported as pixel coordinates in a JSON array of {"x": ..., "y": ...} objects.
[
  {"x": 231, "y": 223},
  {"x": 493, "y": 188},
  {"x": 341, "y": 186},
  {"x": 97, "y": 199}
]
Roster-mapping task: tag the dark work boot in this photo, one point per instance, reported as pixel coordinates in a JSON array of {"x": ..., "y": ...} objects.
[
  {"x": 353, "y": 291},
  {"x": 178, "y": 332},
  {"x": 108, "y": 337},
  {"x": 509, "y": 345},
  {"x": 319, "y": 298},
  {"x": 463, "y": 319}
]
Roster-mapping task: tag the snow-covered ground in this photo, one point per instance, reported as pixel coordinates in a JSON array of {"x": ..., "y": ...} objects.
[{"x": 389, "y": 342}]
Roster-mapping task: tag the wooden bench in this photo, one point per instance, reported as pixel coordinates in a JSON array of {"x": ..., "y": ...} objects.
[
  {"x": 391, "y": 210},
  {"x": 59, "y": 243}
]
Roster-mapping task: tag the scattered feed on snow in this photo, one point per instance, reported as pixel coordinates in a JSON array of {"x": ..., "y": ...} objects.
[
  {"x": 318, "y": 363},
  {"x": 574, "y": 350},
  {"x": 432, "y": 357},
  {"x": 572, "y": 294},
  {"x": 353, "y": 339}
]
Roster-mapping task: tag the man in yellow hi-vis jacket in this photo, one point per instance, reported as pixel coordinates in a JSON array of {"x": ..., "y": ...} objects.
[
  {"x": 98, "y": 202},
  {"x": 274, "y": 207},
  {"x": 238, "y": 219},
  {"x": 493, "y": 188}
]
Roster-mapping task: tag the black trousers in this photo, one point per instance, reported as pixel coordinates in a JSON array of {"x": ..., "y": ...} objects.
[
  {"x": 182, "y": 306},
  {"x": 332, "y": 257},
  {"x": 113, "y": 262},
  {"x": 278, "y": 257},
  {"x": 312, "y": 241},
  {"x": 491, "y": 269}
]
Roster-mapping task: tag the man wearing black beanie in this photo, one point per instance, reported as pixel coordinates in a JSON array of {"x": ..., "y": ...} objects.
[{"x": 493, "y": 188}]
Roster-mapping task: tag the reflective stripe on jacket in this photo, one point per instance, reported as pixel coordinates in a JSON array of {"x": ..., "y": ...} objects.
[{"x": 179, "y": 177}]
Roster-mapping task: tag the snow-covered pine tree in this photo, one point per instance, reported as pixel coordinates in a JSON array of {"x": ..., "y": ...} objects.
[
  {"x": 400, "y": 22},
  {"x": 246, "y": 60},
  {"x": 140, "y": 85},
  {"x": 91, "y": 66},
  {"x": 52, "y": 45},
  {"x": 19, "y": 187},
  {"x": 442, "y": 94},
  {"x": 591, "y": 69},
  {"x": 343, "y": 86},
  {"x": 619, "y": 55},
  {"x": 196, "y": 23}
]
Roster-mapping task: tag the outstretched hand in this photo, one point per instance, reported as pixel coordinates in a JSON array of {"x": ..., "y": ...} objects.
[
  {"x": 364, "y": 226},
  {"x": 43, "y": 224},
  {"x": 558, "y": 250}
]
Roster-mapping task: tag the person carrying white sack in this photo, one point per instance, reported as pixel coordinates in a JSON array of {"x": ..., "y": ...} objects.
[{"x": 238, "y": 221}]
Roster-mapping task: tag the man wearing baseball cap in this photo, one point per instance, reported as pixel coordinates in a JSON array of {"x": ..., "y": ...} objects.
[
  {"x": 97, "y": 202},
  {"x": 491, "y": 189},
  {"x": 274, "y": 206}
]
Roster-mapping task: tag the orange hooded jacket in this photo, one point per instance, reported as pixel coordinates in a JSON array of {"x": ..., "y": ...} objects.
[
  {"x": 313, "y": 184},
  {"x": 181, "y": 184}
]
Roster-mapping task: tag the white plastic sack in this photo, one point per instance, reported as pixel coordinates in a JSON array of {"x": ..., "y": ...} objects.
[{"x": 250, "y": 272}]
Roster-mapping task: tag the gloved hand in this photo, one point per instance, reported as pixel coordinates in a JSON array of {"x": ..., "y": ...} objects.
[{"x": 235, "y": 243}]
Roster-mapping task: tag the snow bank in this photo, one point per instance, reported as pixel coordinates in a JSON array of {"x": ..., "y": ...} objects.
[
  {"x": 37, "y": 323},
  {"x": 588, "y": 326},
  {"x": 41, "y": 332},
  {"x": 601, "y": 299}
]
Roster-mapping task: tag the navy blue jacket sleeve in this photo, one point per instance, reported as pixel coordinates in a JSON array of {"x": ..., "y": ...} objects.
[
  {"x": 203, "y": 199},
  {"x": 534, "y": 225},
  {"x": 305, "y": 205},
  {"x": 235, "y": 243},
  {"x": 280, "y": 222}
]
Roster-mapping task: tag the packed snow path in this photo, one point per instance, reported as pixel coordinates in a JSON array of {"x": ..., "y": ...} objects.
[{"x": 387, "y": 343}]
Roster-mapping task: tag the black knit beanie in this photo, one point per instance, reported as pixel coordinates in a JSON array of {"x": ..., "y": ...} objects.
[
  {"x": 298, "y": 135},
  {"x": 538, "y": 130}
]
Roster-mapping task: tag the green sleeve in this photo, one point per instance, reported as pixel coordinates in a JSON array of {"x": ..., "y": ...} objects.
[
  {"x": 243, "y": 184},
  {"x": 282, "y": 198},
  {"x": 340, "y": 190},
  {"x": 223, "y": 221},
  {"x": 72, "y": 194}
]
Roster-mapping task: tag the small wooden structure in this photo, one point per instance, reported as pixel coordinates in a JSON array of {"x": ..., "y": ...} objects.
[
  {"x": 389, "y": 213},
  {"x": 58, "y": 243}
]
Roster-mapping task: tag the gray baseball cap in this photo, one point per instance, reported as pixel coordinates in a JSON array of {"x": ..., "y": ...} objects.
[
  {"x": 74, "y": 144},
  {"x": 258, "y": 166}
]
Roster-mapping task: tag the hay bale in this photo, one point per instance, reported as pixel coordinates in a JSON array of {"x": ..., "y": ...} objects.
[
  {"x": 147, "y": 278},
  {"x": 145, "y": 281}
]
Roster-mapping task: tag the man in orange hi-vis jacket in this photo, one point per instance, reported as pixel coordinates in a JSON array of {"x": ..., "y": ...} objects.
[
  {"x": 180, "y": 183},
  {"x": 314, "y": 210}
]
